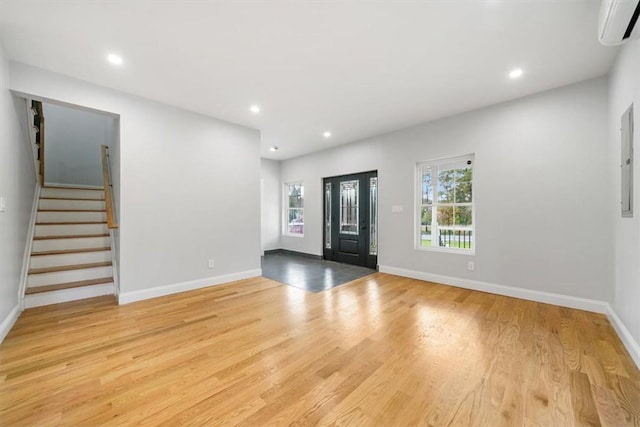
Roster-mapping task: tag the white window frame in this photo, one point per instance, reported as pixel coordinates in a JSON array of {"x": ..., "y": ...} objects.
[
  {"x": 434, "y": 164},
  {"x": 287, "y": 208}
]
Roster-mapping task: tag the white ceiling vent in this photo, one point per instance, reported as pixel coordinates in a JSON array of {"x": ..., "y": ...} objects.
[{"x": 618, "y": 21}]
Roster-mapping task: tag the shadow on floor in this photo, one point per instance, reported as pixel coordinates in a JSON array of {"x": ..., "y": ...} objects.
[{"x": 308, "y": 273}]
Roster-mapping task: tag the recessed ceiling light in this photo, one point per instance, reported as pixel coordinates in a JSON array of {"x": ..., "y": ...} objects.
[
  {"x": 274, "y": 148},
  {"x": 327, "y": 134},
  {"x": 514, "y": 74},
  {"x": 115, "y": 59},
  {"x": 255, "y": 109}
]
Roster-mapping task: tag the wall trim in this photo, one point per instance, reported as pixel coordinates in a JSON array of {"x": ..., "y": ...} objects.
[
  {"x": 627, "y": 339},
  {"x": 9, "y": 321},
  {"x": 159, "y": 291},
  {"x": 509, "y": 291},
  {"x": 26, "y": 257}
]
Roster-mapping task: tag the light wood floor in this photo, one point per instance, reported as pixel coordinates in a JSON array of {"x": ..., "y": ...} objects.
[{"x": 382, "y": 350}]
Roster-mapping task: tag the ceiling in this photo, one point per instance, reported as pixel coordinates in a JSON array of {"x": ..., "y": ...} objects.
[{"x": 356, "y": 68}]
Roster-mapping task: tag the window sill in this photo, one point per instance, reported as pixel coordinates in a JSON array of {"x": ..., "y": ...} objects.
[
  {"x": 299, "y": 236},
  {"x": 446, "y": 250}
]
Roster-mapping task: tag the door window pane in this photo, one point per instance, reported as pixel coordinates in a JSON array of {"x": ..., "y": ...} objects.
[{"x": 349, "y": 207}]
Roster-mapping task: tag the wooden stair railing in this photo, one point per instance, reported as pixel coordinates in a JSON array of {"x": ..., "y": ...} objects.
[{"x": 106, "y": 179}]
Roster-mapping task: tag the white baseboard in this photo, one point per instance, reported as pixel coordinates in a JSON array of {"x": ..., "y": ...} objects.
[
  {"x": 528, "y": 294},
  {"x": 63, "y": 185},
  {"x": 625, "y": 336},
  {"x": 66, "y": 295},
  {"x": 9, "y": 321},
  {"x": 129, "y": 297}
]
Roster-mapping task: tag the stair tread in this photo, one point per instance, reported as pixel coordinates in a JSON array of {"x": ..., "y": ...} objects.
[
  {"x": 72, "y": 210},
  {"x": 70, "y": 236},
  {"x": 68, "y": 285},
  {"x": 72, "y": 198},
  {"x": 70, "y": 251},
  {"x": 71, "y": 223},
  {"x": 69, "y": 267},
  {"x": 74, "y": 188}
]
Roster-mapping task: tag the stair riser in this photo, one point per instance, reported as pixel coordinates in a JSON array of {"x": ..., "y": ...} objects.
[
  {"x": 71, "y": 193},
  {"x": 70, "y": 230},
  {"x": 68, "y": 276},
  {"x": 95, "y": 205},
  {"x": 64, "y": 244},
  {"x": 71, "y": 216},
  {"x": 65, "y": 295},
  {"x": 45, "y": 261}
]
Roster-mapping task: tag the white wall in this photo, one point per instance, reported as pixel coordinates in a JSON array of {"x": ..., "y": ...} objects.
[
  {"x": 541, "y": 223},
  {"x": 189, "y": 188},
  {"x": 271, "y": 204},
  {"x": 624, "y": 90},
  {"x": 72, "y": 144},
  {"x": 17, "y": 186}
]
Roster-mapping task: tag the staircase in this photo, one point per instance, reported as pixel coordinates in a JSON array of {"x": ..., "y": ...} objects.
[{"x": 71, "y": 251}]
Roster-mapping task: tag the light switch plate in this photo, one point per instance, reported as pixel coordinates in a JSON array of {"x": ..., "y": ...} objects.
[
  {"x": 2, "y": 204},
  {"x": 397, "y": 209}
]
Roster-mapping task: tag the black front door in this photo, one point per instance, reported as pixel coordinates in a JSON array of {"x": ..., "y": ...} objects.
[{"x": 351, "y": 219}]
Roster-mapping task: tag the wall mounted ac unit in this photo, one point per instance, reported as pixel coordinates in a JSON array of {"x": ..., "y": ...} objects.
[{"x": 618, "y": 21}]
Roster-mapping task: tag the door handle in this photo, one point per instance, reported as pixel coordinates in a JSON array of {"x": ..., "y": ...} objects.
[{"x": 364, "y": 227}]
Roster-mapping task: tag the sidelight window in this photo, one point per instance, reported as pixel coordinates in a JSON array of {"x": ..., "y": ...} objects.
[
  {"x": 327, "y": 215},
  {"x": 373, "y": 215}
]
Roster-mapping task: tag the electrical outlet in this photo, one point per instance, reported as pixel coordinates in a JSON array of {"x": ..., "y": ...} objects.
[
  {"x": 211, "y": 264},
  {"x": 471, "y": 266}
]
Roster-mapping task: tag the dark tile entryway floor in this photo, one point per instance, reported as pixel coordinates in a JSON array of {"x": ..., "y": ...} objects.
[{"x": 310, "y": 274}]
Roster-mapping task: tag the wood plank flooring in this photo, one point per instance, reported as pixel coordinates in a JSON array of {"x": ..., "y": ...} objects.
[{"x": 382, "y": 350}]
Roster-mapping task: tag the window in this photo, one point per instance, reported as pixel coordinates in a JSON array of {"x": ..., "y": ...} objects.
[
  {"x": 445, "y": 208},
  {"x": 294, "y": 215}
]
